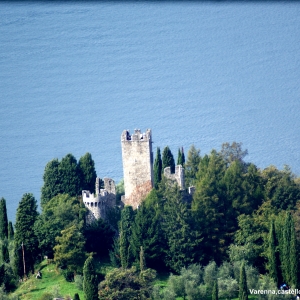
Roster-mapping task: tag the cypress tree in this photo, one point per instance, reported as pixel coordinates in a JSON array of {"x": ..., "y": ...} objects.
[
  {"x": 168, "y": 160},
  {"x": 179, "y": 157},
  {"x": 25, "y": 219},
  {"x": 192, "y": 165},
  {"x": 125, "y": 236},
  {"x": 3, "y": 220},
  {"x": 52, "y": 183},
  {"x": 273, "y": 263},
  {"x": 285, "y": 259},
  {"x": 5, "y": 253},
  {"x": 10, "y": 230},
  {"x": 293, "y": 256},
  {"x": 157, "y": 168},
  {"x": 69, "y": 176},
  {"x": 182, "y": 157},
  {"x": 87, "y": 172},
  {"x": 76, "y": 297},
  {"x": 243, "y": 290},
  {"x": 215, "y": 291},
  {"x": 90, "y": 286}
]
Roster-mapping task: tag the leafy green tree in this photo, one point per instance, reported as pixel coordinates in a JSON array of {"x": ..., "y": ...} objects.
[
  {"x": 60, "y": 212},
  {"x": 52, "y": 181},
  {"x": 192, "y": 166},
  {"x": 25, "y": 219},
  {"x": 168, "y": 160},
  {"x": 87, "y": 172},
  {"x": 215, "y": 293},
  {"x": 121, "y": 284},
  {"x": 273, "y": 262},
  {"x": 157, "y": 168},
  {"x": 10, "y": 231},
  {"x": 3, "y": 220},
  {"x": 243, "y": 290},
  {"x": 69, "y": 251},
  {"x": 281, "y": 187},
  {"x": 90, "y": 284},
  {"x": 69, "y": 176},
  {"x": 233, "y": 152}
]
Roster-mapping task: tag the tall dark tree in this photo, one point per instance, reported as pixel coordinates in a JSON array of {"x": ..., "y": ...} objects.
[
  {"x": 192, "y": 166},
  {"x": 87, "y": 172},
  {"x": 157, "y": 168},
  {"x": 25, "y": 235},
  {"x": 182, "y": 239},
  {"x": 90, "y": 284},
  {"x": 5, "y": 253},
  {"x": 243, "y": 289},
  {"x": 69, "y": 176},
  {"x": 3, "y": 220},
  {"x": 215, "y": 292},
  {"x": 52, "y": 181},
  {"x": 180, "y": 157},
  {"x": 212, "y": 213},
  {"x": 127, "y": 217},
  {"x": 293, "y": 255},
  {"x": 76, "y": 297},
  {"x": 10, "y": 231},
  {"x": 147, "y": 232},
  {"x": 168, "y": 160},
  {"x": 273, "y": 263},
  {"x": 99, "y": 237}
]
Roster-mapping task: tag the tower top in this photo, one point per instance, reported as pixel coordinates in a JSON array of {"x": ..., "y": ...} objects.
[{"x": 136, "y": 136}]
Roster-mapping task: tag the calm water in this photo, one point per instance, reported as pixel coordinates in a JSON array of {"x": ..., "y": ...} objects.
[{"x": 74, "y": 76}]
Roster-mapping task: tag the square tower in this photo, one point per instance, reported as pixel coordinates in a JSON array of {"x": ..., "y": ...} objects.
[{"x": 137, "y": 157}]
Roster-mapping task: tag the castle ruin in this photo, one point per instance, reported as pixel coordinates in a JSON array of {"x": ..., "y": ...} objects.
[
  {"x": 99, "y": 203},
  {"x": 137, "y": 157}
]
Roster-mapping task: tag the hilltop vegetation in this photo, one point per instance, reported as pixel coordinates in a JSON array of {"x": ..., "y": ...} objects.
[{"x": 238, "y": 231}]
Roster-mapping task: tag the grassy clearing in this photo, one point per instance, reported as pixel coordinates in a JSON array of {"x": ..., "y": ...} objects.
[{"x": 33, "y": 289}]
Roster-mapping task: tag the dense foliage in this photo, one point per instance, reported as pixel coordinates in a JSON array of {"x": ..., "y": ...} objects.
[{"x": 240, "y": 222}]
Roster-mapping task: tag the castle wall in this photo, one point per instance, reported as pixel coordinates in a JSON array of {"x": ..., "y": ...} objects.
[
  {"x": 178, "y": 176},
  {"x": 137, "y": 157},
  {"x": 98, "y": 204}
]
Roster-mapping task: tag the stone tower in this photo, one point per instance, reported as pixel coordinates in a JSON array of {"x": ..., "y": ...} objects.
[{"x": 137, "y": 159}]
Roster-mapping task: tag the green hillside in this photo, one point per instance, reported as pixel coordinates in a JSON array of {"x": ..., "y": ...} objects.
[{"x": 51, "y": 281}]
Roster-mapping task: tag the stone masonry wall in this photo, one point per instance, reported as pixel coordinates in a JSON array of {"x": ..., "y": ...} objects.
[
  {"x": 137, "y": 160},
  {"x": 178, "y": 176}
]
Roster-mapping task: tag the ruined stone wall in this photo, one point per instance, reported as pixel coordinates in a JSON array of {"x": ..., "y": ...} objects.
[
  {"x": 178, "y": 176},
  {"x": 137, "y": 157},
  {"x": 98, "y": 204}
]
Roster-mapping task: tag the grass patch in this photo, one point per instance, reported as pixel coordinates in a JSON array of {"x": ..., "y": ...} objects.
[{"x": 33, "y": 288}]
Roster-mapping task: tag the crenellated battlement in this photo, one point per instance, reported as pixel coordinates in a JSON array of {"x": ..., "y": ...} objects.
[
  {"x": 99, "y": 203},
  {"x": 136, "y": 136}
]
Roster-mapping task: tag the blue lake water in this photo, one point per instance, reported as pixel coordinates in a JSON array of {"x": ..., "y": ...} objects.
[{"x": 73, "y": 76}]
